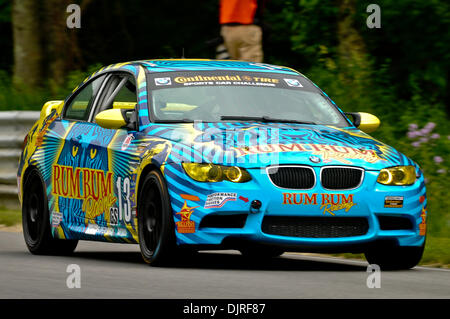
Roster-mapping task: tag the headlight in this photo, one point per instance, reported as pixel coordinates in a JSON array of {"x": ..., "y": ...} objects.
[
  {"x": 399, "y": 175},
  {"x": 216, "y": 173}
]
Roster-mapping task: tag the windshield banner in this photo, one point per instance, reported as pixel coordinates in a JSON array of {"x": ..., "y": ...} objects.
[{"x": 228, "y": 78}]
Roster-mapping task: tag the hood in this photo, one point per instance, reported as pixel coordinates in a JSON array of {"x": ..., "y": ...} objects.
[{"x": 261, "y": 144}]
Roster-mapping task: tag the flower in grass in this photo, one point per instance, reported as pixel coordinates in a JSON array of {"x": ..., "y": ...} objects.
[
  {"x": 441, "y": 171},
  {"x": 412, "y": 134},
  {"x": 425, "y": 131},
  {"x": 430, "y": 126},
  {"x": 438, "y": 159},
  {"x": 413, "y": 127},
  {"x": 415, "y": 144},
  {"x": 435, "y": 136}
]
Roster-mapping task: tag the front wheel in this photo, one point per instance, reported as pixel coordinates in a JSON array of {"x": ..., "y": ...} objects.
[
  {"x": 36, "y": 221},
  {"x": 155, "y": 221},
  {"x": 395, "y": 258}
]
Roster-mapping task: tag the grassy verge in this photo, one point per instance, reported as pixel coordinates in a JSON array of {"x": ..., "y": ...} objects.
[
  {"x": 436, "y": 254},
  {"x": 10, "y": 217}
]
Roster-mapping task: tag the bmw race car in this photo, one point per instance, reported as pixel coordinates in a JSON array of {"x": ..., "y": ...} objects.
[{"x": 186, "y": 155}]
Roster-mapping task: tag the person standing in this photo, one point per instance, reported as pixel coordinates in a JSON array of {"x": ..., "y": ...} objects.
[{"x": 240, "y": 29}]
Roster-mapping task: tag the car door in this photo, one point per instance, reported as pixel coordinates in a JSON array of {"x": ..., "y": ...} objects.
[
  {"x": 73, "y": 154},
  {"x": 116, "y": 152}
]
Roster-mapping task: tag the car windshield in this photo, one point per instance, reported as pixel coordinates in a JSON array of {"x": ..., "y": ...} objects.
[{"x": 239, "y": 96}]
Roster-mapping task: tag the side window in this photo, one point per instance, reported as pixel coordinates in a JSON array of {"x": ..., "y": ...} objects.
[
  {"x": 80, "y": 105},
  {"x": 119, "y": 93}
]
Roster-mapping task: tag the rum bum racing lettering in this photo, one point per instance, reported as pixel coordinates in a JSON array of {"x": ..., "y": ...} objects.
[
  {"x": 328, "y": 152},
  {"x": 330, "y": 203},
  {"x": 93, "y": 186}
]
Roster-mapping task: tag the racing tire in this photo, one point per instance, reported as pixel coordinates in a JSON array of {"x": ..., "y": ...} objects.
[
  {"x": 395, "y": 258},
  {"x": 36, "y": 220},
  {"x": 155, "y": 221}
]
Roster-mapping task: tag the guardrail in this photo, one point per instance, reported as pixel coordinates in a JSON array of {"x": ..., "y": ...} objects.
[{"x": 14, "y": 125}]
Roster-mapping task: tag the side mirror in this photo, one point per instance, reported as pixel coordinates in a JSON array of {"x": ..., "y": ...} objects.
[
  {"x": 116, "y": 118},
  {"x": 49, "y": 107},
  {"x": 366, "y": 122}
]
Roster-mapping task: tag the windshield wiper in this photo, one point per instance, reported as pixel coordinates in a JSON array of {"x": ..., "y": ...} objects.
[{"x": 262, "y": 119}]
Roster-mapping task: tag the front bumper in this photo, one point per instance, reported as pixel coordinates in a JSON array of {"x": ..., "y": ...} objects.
[{"x": 367, "y": 202}]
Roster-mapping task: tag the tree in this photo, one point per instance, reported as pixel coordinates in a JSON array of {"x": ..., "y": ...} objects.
[
  {"x": 351, "y": 48},
  {"x": 60, "y": 42},
  {"x": 44, "y": 47},
  {"x": 28, "y": 54}
]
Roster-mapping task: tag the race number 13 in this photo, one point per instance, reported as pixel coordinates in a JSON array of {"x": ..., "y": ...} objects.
[{"x": 124, "y": 204}]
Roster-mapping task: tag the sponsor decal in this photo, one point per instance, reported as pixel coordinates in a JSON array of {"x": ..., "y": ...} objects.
[
  {"x": 217, "y": 200},
  {"x": 327, "y": 152},
  {"x": 56, "y": 218},
  {"x": 423, "y": 224},
  {"x": 190, "y": 197},
  {"x": 329, "y": 203},
  {"x": 92, "y": 229},
  {"x": 121, "y": 232},
  {"x": 421, "y": 199},
  {"x": 163, "y": 81},
  {"x": 127, "y": 141},
  {"x": 226, "y": 79},
  {"x": 293, "y": 82},
  {"x": 393, "y": 201},
  {"x": 203, "y": 78},
  {"x": 113, "y": 215},
  {"x": 186, "y": 225},
  {"x": 109, "y": 231},
  {"x": 94, "y": 187}
]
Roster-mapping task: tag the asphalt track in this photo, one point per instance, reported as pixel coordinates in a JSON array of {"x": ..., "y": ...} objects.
[{"x": 117, "y": 271}]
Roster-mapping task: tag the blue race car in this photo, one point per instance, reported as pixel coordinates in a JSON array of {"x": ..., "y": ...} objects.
[{"x": 185, "y": 155}]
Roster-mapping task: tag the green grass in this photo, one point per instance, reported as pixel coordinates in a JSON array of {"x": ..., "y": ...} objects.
[
  {"x": 436, "y": 254},
  {"x": 10, "y": 217}
]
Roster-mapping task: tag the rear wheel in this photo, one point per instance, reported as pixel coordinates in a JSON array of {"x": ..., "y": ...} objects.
[
  {"x": 36, "y": 220},
  {"x": 155, "y": 221},
  {"x": 394, "y": 258}
]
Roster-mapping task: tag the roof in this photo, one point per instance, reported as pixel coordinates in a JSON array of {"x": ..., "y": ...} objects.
[{"x": 171, "y": 65}]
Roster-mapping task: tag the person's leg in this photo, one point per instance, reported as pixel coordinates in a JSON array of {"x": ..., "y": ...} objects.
[
  {"x": 231, "y": 40},
  {"x": 251, "y": 43}
]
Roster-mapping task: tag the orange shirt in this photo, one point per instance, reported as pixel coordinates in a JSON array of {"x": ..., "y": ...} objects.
[{"x": 237, "y": 11}]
